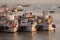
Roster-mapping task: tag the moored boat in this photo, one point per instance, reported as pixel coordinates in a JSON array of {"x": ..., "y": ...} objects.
[
  {"x": 28, "y": 22},
  {"x": 11, "y": 24},
  {"x": 18, "y": 7},
  {"x": 45, "y": 24}
]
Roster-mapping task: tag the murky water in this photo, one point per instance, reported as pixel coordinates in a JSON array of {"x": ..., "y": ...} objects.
[
  {"x": 36, "y": 35},
  {"x": 30, "y": 36}
]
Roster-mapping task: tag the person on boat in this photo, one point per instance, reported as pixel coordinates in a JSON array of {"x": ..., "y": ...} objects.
[
  {"x": 45, "y": 25},
  {"x": 39, "y": 23},
  {"x": 51, "y": 21},
  {"x": 45, "y": 15}
]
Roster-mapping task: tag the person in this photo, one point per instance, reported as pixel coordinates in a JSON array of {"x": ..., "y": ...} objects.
[
  {"x": 45, "y": 25},
  {"x": 45, "y": 15},
  {"x": 50, "y": 20}
]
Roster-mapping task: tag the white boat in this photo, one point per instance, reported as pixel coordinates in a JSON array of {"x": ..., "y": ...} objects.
[
  {"x": 30, "y": 26},
  {"x": 28, "y": 23},
  {"x": 11, "y": 24}
]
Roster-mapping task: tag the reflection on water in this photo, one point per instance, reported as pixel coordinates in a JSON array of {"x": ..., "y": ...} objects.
[
  {"x": 27, "y": 36},
  {"x": 40, "y": 36}
]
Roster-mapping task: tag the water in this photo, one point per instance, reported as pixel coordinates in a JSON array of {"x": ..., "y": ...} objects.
[
  {"x": 30, "y": 36},
  {"x": 37, "y": 9}
]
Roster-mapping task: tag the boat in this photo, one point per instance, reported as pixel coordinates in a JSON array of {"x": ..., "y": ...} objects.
[
  {"x": 52, "y": 11},
  {"x": 58, "y": 7},
  {"x": 26, "y": 5},
  {"x": 11, "y": 23},
  {"x": 28, "y": 23},
  {"x": 45, "y": 25},
  {"x": 19, "y": 7}
]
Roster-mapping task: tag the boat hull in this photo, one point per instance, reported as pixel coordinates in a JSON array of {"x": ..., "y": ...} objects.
[
  {"x": 11, "y": 29},
  {"x": 28, "y": 28},
  {"x": 45, "y": 28}
]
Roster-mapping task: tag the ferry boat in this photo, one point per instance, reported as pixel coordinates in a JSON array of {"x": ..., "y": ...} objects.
[
  {"x": 28, "y": 23},
  {"x": 45, "y": 25},
  {"x": 11, "y": 24}
]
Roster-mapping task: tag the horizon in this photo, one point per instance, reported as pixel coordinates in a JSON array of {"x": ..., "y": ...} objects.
[{"x": 29, "y": 1}]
